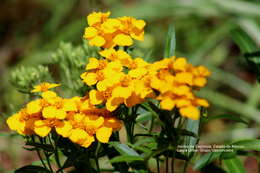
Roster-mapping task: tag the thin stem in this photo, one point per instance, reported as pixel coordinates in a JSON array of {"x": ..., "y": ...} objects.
[
  {"x": 39, "y": 155},
  {"x": 46, "y": 155},
  {"x": 158, "y": 165},
  {"x": 96, "y": 157},
  {"x": 152, "y": 124},
  {"x": 172, "y": 165},
  {"x": 167, "y": 165},
  {"x": 185, "y": 167},
  {"x": 56, "y": 154}
]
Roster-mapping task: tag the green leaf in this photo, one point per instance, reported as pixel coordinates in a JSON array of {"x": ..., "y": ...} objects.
[
  {"x": 184, "y": 132},
  {"x": 123, "y": 149},
  {"x": 46, "y": 147},
  {"x": 170, "y": 43},
  {"x": 248, "y": 48},
  {"x": 230, "y": 117},
  {"x": 234, "y": 165},
  {"x": 126, "y": 159},
  {"x": 144, "y": 117},
  {"x": 32, "y": 169},
  {"x": 193, "y": 127},
  {"x": 206, "y": 159},
  {"x": 251, "y": 144}
]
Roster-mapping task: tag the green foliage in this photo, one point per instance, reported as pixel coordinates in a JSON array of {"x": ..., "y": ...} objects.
[
  {"x": 31, "y": 169},
  {"x": 203, "y": 29},
  {"x": 234, "y": 165},
  {"x": 24, "y": 78}
]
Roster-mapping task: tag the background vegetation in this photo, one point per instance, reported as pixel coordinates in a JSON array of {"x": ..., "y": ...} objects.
[{"x": 215, "y": 33}]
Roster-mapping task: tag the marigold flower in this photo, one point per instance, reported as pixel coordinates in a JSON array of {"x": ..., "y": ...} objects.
[
  {"x": 45, "y": 86},
  {"x": 109, "y": 32},
  {"x": 74, "y": 118}
]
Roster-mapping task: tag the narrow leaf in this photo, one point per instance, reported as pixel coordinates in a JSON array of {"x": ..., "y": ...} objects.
[
  {"x": 206, "y": 159},
  {"x": 230, "y": 117},
  {"x": 123, "y": 149},
  {"x": 234, "y": 165},
  {"x": 126, "y": 159},
  {"x": 32, "y": 169},
  {"x": 251, "y": 144},
  {"x": 170, "y": 43}
]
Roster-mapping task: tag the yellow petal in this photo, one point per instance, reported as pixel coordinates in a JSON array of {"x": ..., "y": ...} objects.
[
  {"x": 41, "y": 128},
  {"x": 167, "y": 103},
  {"x": 49, "y": 112},
  {"x": 113, "y": 103},
  {"x": 94, "y": 121},
  {"x": 86, "y": 105},
  {"x": 202, "y": 102},
  {"x": 123, "y": 40},
  {"x": 95, "y": 97},
  {"x": 79, "y": 117},
  {"x": 200, "y": 81},
  {"x": 112, "y": 122},
  {"x": 184, "y": 77},
  {"x": 60, "y": 114},
  {"x": 139, "y": 24},
  {"x": 87, "y": 141},
  {"x": 97, "y": 18},
  {"x": 64, "y": 129},
  {"x": 107, "y": 53},
  {"x": 180, "y": 64},
  {"x": 69, "y": 105},
  {"x": 93, "y": 63},
  {"x": 48, "y": 95},
  {"x": 97, "y": 41},
  {"x": 90, "y": 32},
  {"x": 181, "y": 102},
  {"x": 14, "y": 123},
  {"x": 34, "y": 107},
  {"x": 90, "y": 78},
  {"x": 78, "y": 135},
  {"x": 103, "y": 134},
  {"x": 190, "y": 112},
  {"x": 137, "y": 73},
  {"x": 133, "y": 100},
  {"x": 122, "y": 92}
]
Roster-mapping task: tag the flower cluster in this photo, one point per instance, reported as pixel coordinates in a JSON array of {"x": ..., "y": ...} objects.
[
  {"x": 109, "y": 32},
  {"x": 117, "y": 78},
  {"x": 74, "y": 118}
]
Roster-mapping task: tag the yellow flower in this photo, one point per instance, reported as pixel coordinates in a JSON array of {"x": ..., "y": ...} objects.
[
  {"x": 42, "y": 128},
  {"x": 109, "y": 32},
  {"x": 44, "y": 87},
  {"x": 190, "y": 112},
  {"x": 123, "y": 40},
  {"x": 14, "y": 123},
  {"x": 97, "y": 18},
  {"x": 81, "y": 137},
  {"x": 111, "y": 54},
  {"x": 103, "y": 134}
]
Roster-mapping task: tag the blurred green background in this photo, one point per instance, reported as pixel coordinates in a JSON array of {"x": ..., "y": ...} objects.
[{"x": 31, "y": 30}]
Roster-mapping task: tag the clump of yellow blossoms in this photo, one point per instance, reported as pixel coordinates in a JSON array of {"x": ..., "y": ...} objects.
[
  {"x": 117, "y": 78},
  {"x": 74, "y": 118},
  {"x": 109, "y": 32},
  {"x": 114, "y": 79}
]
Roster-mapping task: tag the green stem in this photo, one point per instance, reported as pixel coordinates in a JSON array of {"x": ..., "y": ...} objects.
[
  {"x": 96, "y": 157},
  {"x": 46, "y": 155},
  {"x": 56, "y": 154},
  {"x": 158, "y": 165},
  {"x": 185, "y": 167},
  {"x": 167, "y": 165},
  {"x": 39, "y": 155},
  {"x": 152, "y": 124}
]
